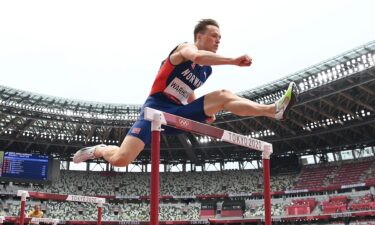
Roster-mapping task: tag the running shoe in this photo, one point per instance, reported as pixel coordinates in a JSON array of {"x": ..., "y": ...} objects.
[
  {"x": 284, "y": 104},
  {"x": 86, "y": 153}
]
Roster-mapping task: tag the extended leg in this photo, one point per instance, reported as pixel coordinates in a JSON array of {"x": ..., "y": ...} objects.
[{"x": 226, "y": 100}]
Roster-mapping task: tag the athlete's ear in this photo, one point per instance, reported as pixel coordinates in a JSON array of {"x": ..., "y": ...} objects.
[{"x": 198, "y": 37}]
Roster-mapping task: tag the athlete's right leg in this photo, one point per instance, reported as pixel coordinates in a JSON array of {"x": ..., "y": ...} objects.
[{"x": 226, "y": 100}]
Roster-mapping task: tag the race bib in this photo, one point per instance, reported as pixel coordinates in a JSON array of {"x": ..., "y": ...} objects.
[{"x": 178, "y": 89}]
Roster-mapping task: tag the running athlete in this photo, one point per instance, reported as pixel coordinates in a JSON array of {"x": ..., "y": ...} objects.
[{"x": 185, "y": 69}]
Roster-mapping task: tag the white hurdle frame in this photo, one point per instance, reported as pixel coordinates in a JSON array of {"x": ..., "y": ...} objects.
[{"x": 159, "y": 118}]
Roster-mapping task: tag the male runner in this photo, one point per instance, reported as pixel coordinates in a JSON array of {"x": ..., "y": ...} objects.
[{"x": 186, "y": 68}]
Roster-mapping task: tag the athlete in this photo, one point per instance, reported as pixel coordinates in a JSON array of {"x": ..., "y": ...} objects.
[{"x": 185, "y": 69}]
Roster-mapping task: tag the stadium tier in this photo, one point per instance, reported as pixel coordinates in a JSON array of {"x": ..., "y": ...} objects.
[{"x": 322, "y": 168}]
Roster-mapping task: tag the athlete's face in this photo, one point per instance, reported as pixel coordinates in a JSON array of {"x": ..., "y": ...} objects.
[{"x": 210, "y": 39}]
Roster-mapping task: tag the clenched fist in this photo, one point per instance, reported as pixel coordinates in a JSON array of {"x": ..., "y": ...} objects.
[{"x": 243, "y": 60}]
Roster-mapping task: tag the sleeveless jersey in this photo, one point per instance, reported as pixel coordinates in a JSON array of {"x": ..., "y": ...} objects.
[{"x": 177, "y": 82}]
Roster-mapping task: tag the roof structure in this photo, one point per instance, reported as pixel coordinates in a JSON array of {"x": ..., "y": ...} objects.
[{"x": 336, "y": 110}]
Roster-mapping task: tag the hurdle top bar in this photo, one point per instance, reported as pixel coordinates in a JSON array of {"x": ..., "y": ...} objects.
[
  {"x": 70, "y": 198},
  {"x": 162, "y": 118},
  {"x": 44, "y": 220}
]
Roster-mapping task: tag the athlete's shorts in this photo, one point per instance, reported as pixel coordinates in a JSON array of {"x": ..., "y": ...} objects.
[{"x": 142, "y": 128}]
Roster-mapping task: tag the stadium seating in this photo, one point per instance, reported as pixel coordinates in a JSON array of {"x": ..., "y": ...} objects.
[
  {"x": 312, "y": 177},
  {"x": 350, "y": 174},
  {"x": 172, "y": 184},
  {"x": 196, "y": 183}
]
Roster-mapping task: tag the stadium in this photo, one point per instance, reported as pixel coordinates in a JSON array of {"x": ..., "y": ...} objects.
[
  {"x": 74, "y": 74},
  {"x": 322, "y": 166}
]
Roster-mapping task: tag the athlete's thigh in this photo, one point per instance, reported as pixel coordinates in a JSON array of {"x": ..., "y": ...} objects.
[
  {"x": 141, "y": 129},
  {"x": 194, "y": 110}
]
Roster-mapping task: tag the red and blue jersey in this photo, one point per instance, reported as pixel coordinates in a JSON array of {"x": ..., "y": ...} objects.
[
  {"x": 170, "y": 92},
  {"x": 177, "y": 82}
]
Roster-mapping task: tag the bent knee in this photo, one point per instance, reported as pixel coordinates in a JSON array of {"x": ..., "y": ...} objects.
[
  {"x": 225, "y": 92},
  {"x": 224, "y": 95},
  {"x": 119, "y": 161},
  {"x": 215, "y": 101}
]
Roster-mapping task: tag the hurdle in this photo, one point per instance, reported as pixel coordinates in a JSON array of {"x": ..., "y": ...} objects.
[
  {"x": 159, "y": 118},
  {"x": 44, "y": 220},
  {"x": 71, "y": 198}
]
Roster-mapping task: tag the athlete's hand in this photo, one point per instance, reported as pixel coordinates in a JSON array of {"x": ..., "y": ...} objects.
[
  {"x": 243, "y": 60},
  {"x": 211, "y": 119}
]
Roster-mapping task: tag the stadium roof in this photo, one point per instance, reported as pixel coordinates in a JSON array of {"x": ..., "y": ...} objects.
[{"x": 335, "y": 111}]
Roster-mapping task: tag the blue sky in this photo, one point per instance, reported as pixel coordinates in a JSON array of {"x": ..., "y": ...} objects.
[{"x": 110, "y": 51}]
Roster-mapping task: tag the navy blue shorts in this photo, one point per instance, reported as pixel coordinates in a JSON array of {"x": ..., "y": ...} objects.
[{"x": 194, "y": 111}]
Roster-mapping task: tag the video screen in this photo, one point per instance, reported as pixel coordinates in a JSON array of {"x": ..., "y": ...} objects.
[{"x": 23, "y": 166}]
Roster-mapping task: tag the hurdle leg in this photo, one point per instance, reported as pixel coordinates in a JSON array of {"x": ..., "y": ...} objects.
[
  {"x": 23, "y": 204},
  {"x": 267, "y": 187},
  {"x": 100, "y": 208},
  {"x": 155, "y": 161},
  {"x": 158, "y": 117}
]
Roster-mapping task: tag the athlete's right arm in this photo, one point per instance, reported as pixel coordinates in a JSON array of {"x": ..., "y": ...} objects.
[{"x": 190, "y": 52}]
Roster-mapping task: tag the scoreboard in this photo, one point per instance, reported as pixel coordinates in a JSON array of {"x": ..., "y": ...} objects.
[{"x": 23, "y": 166}]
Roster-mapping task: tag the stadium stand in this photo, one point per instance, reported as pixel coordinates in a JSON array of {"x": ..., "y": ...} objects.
[
  {"x": 122, "y": 185},
  {"x": 339, "y": 192}
]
